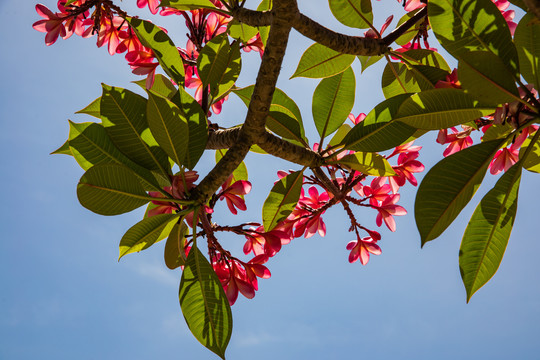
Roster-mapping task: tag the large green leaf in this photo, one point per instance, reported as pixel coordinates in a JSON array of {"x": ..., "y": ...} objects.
[
  {"x": 162, "y": 86},
  {"x": 169, "y": 126},
  {"x": 448, "y": 187},
  {"x": 204, "y": 304},
  {"x": 164, "y": 49},
  {"x": 197, "y": 124},
  {"x": 123, "y": 115},
  {"x": 241, "y": 31},
  {"x": 487, "y": 234},
  {"x": 282, "y": 199},
  {"x": 426, "y": 57},
  {"x": 398, "y": 78},
  {"x": 462, "y": 26},
  {"x": 111, "y": 189},
  {"x": 527, "y": 39},
  {"x": 284, "y": 117},
  {"x": 188, "y": 4},
  {"x": 485, "y": 77},
  {"x": 147, "y": 232},
  {"x": 353, "y": 13},
  {"x": 378, "y": 132},
  {"x": 219, "y": 65},
  {"x": 367, "y": 163},
  {"x": 318, "y": 61},
  {"x": 440, "y": 109},
  {"x": 174, "y": 254},
  {"x": 333, "y": 101}
]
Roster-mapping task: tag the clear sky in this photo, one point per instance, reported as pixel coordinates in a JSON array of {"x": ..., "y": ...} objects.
[{"x": 64, "y": 295}]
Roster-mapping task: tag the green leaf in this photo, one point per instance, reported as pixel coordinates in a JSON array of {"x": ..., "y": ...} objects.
[
  {"x": 93, "y": 109},
  {"x": 367, "y": 61},
  {"x": 318, "y": 61},
  {"x": 487, "y": 234},
  {"x": 398, "y": 78},
  {"x": 123, "y": 115},
  {"x": 188, "y": 4},
  {"x": 462, "y": 26},
  {"x": 169, "y": 127},
  {"x": 64, "y": 149},
  {"x": 282, "y": 199},
  {"x": 111, "y": 189},
  {"x": 146, "y": 233},
  {"x": 227, "y": 78},
  {"x": 378, "y": 131},
  {"x": 213, "y": 61},
  {"x": 409, "y": 34},
  {"x": 264, "y": 31},
  {"x": 241, "y": 31},
  {"x": 174, "y": 253},
  {"x": 497, "y": 131},
  {"x": 284, "y": 118},
  {"x": 340, "y": 134},
  {"x": 204, "y": 304},
  {"x": 162, "y": 86},
  {"x": 333, "y": 101},
  {"x": 164, "y": 49},
  {"x": 527, "y": 39},
  {"x": 440, "y": 109},
  {"x": 353, "y": 13},
  {"x": 485, "y": 77},
  {"x": 426, "y": 57},
  {"x": 197, "y": 124},
  {"x": 448, "y": 187},
  {"x": 367, "y": 163},
  {"x": 532, "y": 161}
]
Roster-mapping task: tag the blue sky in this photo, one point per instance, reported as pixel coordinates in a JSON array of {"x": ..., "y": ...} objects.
[{"x": 65, "y": 296}]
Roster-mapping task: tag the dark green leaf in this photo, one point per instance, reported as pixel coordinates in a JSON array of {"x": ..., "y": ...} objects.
[
  {"x": 440, "y": 109},
  {"x": 527, "y": 39},
  {"x": 426, "y": 57},
  {"x": 169, "y": 127},
  {"x": 462, "y": 26},
  {"x": 204, "y": 304},
  {"x": 123, "y": 115},
  {"x": 485, "y": 77},
  {"x": 398, "y": 78},
  {"x": 448, "y": 187},
  {"x": 282, "y": 199},
  {"x": 487, "y": 234},
  {"x": 520, "y": 4},
  {"x": 162, "y": 86},
  {"x": 164, "y": 49},
  {"x": 378, "y": 132},
  {"x": 174, "y": 254},
  {"x": 146, "y": 233},
  {"x": 333, "y": 101},
  {"x": 213, "y": 60},
  {"x": 367, "y": 163},
  {"x": 111, "y": 189},
  {"x": 318, "y": 61},
  {"x": 353, "y": 13}
]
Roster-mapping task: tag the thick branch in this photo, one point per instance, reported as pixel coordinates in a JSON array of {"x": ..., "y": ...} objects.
[
  {"x": 273, "y": 145},
  {"x": 397, "y": 32},
  {"x": 252, "y": 17},
  {"x": 254, "y": 126}
]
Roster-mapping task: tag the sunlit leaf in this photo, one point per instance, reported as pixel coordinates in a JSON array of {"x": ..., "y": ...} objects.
[
  {"x": 449, "y": 186},
  {"x": 333, "y": 101},
  {"x": 527, "y": 39},
  {"x": 532, "y": 161},
  {"x": 241, "y": 31},
  {"x": 367, "y": 163},
  {"x": 63, "y": 150},
  {"x": 367, "y": 61},
  {"x": 204, "y": 304},
  {"x": 353, "y": 13},
  {"x": 93, "y": 109},
  {"x": 282, "y": 199},
  {"x": 162, "y": 86},
  {"x": 487, "y": 234},
  {"x": 164, "y": 49},
  {"x": 174, "y": 253},
  {"x": 188, "y": 4},
  {"x": 146, "y": 232},
  {"x": 318, "y": 61},
  {"x": 398, "y": 78}
]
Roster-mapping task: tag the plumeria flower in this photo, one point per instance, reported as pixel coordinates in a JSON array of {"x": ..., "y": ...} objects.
[
  {"x": 310, "y": 222},
  {"x": 233, "y": 192},
  {"x": 451, "y": 81},
  {"x": 255, "y": 44},
  {"x": 376, "y": 192},
  {"x": 372, "y": 34},
  {"x": 387, "y": 210},
  {"x": 457, "y": 141},
  {"x": 407, "y": 166},
  {"x": 109, "y": 32},
  {"x": 410, "y": 5},
  {"x": 177, "y": 191},
  {"x": 152, "y": 5},
  {"x": 361, "y": 248},
  {"x": 358, "y": 119},
  {"x": 508, "y": 15},
  {"x": 504, "y": 159},
  {"x": 52, "y": 24},
  {"x": 265, "y": 243}
]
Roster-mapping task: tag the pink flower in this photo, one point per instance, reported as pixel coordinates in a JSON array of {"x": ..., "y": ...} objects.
[
  {"x": 265, "y": 243},
  {"x": 378, "y": 191},
  {"x": 457, "y": 140},
  {"x": 504, "y": 159},
  {"x": 52, "y": 24},
  {"x": 177, "y": 191},
  {"x": 372, "y": 34},
  {"x": 387, "y": 210},
  {"x": 152, "y": 5},
  {"x": 358, "y": 119},
  {"x": 233, "y": 192},
  {"x": 310, "y": 221},
  {"x": 451, "y": 81},
  {"x": 407, "y": 166},
  {"x": 255, "y": 44},
  {"x": 361, "y": 248},
  {"x": 109, "y": 32},
  {"x": 411, "y": 5}
]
